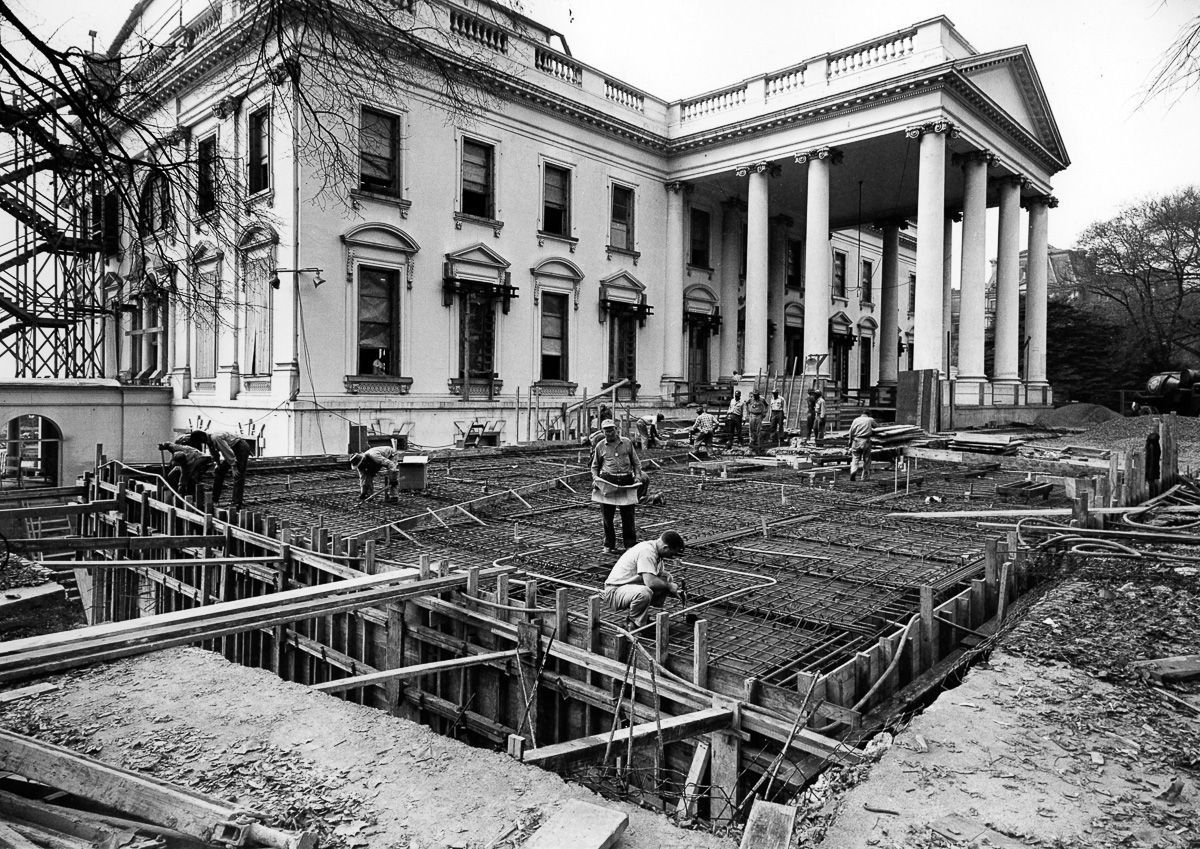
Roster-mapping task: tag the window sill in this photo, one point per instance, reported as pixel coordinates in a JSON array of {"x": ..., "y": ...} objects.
[
  {"x": 204, "y": 386},
  {"x": 461, "y": 217},
  {"x": 479, "y": 386},
  {"x": 700, "y": 269},
  {"x": 357, "y": 196},
  {"x": 609, "y": 250},
  {"x": 866, "y": 305},
  {"x": 570, "y": 241},
  {"x": 377, "y": 384},
  {"x": 839, "y": 299},
  {"x": 558, "y": 388},
  {"x": 265, "y": 197}
]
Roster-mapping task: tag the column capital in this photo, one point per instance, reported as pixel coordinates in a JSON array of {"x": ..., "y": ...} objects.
[
  {"x": 1013, "y": 180},
  {"x": 831, "y": 153},
  {"x": 954, "y": 215},
  {"x": 678, "y": 186},
  {"x": 941, "y": 125},
  {"x": 964, "y": 159},
  {"x": 898, "y": 223},
  {"x": 756, "y": 167},
  {"x": 1048, "y": 201}
]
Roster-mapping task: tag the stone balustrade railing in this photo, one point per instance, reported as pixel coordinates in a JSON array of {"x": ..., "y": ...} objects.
[
  {"x": 477, "y": 30},
  {"x": 558, "y": 65},
  {"x": 888, "y": 49},
  {"x": 718, "y": 101},
  {"x": 625, "y": 96},
  {"x": 789, "y": 79}
]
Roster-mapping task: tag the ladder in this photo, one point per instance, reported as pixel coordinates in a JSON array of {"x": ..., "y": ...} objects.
[{"x": 59, "y": 526}]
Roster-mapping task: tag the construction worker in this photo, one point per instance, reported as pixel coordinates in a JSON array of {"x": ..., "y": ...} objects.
[
  {"x": 734, "y": 416},
  {"x": 382, "y": 458},
  {"x": 816, "y": 417},
  {"x": 647, "y": 427},
  {"x": 639, "y": 582},
  {"x": 187, "y": 466},
  {"x": 777, "y": 416},
  {"x": 616, "y": 461},
  {"x": 232, "y": 453},
  {"x": 703, "y": 428},
  {"x": 756, "y": 409},
  {"x": 859, "y": 440}
]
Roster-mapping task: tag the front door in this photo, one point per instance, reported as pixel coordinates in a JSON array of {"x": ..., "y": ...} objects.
[{"x": 698, "y": 339}]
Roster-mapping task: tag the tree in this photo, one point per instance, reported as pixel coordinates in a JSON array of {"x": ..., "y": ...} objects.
[
  {"x": 1088, "y": 356},
  {"x": 1179, "y": 69},
  {"x": 108, "y": 119},
  {"x": 1146, "y": 263}
]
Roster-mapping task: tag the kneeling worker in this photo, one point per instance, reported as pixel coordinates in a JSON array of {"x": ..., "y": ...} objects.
[
  {"x": 638, "y": 581},
  {"x": 382, "y": 458},
  {"x": 188, "y": 466}
]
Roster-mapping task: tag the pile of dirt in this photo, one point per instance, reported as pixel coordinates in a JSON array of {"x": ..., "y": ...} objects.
[
  {"x": 1128, "y": 433},
  {"x": 1076, "y": 415}
]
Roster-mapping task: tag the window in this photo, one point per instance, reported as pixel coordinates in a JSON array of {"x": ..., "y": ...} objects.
[
  {"x": 554, "y": 336},
  {"x": 206, "y": 182},
  {"x": 478, "y": 181},
  {"x": 912, "y": 293},
  {"x": 622, "y": 346},
  {"x": 378, "y": 321},
  {"x": 147, "y": 338},
  {"x": 795, "y": 265},
  {"x": 556, "y": 200},
  {"x": 258, "y": 150},
  {"x": 207, "y": 322},
  {"x": 701, "y": 232},
  {"x": 866, "y": 285},
  {"x": 379, "y": 152},
  {"x": 478, "y": 327},
  {"x": 257, "y": 267},
  {"x": 620, "y": 230},
  {"x": 864, "y": 362},
  {"x": 839, "y": 274},
  {"x": 155, "y": 205}
]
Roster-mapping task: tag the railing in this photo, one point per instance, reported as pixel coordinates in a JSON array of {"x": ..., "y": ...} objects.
[
  {"x": 205, "y": 22},
  {"x": 707, "y": 104},
  {"x": 786, "y": 80},
  {"x": 877, "y": 52},
  {"x": 481, "y": 32},
  {"x": 558, "y": 66},
  {"x": 624, "y": 95}
]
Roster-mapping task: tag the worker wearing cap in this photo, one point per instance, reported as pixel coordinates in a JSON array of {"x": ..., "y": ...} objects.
[
  {"x": 616, "y": 461},
  {"x": 232, "y": 454},
  {"x": 756, "y": 409},
  {"x": 188, "y": 465},
  {"x": 777, "y": 415},
  {"x": 734, "y": 416},
  {"x": 639, "y": 582},
  {"x": 381, "y": 458}
]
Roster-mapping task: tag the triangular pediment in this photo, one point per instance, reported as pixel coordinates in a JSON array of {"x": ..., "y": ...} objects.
[
  {"x": 478, "y": 254},
  {"x": 623, "y": 287},
  {"x": 1010, "y": 81}
]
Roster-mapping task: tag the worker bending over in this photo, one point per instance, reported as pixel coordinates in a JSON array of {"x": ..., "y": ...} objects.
[
  {"x": 382, "y": 458},
  {"x": 647, "y": 428},
  {"x": 187, "y": 466},
  {"x": 232, "y": 453},
  {"x": 639, "y": 582}
]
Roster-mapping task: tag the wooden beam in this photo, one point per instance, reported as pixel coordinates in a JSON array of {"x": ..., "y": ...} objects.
[
  {"x": 414, "y": 671},
  {"x": 193, "y": 813},
  {"x": 60, "y": 545},
  {"x": 769, "y": 826},
  {"x": 686, "y": 809},
  {"x": 162, "y": 564},
  {"x": 674, "y": 728},
  {"x": 54, "y": 511}
]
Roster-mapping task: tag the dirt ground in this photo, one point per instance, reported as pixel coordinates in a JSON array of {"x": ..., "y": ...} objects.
[
  {"x": 1054, "y": 741},
  {"x": 359, "y": 777}
]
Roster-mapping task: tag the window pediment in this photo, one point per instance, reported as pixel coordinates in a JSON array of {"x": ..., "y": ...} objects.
[
  {"x": 622, "y": 287},
  {"x": 867, "y": 326},
  {"x": 256, "y": 237},
  {"x": 839, "y": 322},
  {"x": 477, "y": 263},
  {"x": 793, "y": 315},
  {"x": 701, "y": 300},
  {"x": 381, "y": 237},
  {"x": 556, "y": 274}
]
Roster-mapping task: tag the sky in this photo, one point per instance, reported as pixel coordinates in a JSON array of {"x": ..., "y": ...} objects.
[{"x": 1095, "y": 59}]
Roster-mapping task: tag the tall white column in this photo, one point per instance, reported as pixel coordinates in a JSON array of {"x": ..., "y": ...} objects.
[
  {"x": 947, "y": 300},
  {"x": 931, "y": 205},
  {"x": 972, "y": 319},
  {"x": 1035, "y": 289},
  {"x": 776, "y": 283},
  {"x": 756, "y": 270},
  {"x": 672, "y": 303},
  {"x": 818, "y": 263},
  {"x": 889, "y": 307},
  {"x": 1008, "y": 293},
  {"x": 731, "y": 269}
]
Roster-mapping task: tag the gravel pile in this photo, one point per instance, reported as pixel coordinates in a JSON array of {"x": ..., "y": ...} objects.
[
  {"x": 1128, "y": 433},
  {"x": 1077, "y": 415}
]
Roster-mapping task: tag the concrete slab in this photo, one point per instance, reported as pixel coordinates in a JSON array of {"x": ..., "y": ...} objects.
[{"x": 580, "y": 825}]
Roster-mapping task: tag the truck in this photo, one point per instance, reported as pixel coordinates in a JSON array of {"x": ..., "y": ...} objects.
[{"x": 1170, "y": 392}]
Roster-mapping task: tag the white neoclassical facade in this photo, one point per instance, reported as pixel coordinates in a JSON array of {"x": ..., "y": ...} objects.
[{"x": 578, "y": 233}]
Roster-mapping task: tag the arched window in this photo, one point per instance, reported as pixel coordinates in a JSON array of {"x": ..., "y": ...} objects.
[{"x": 154, "y": 205}]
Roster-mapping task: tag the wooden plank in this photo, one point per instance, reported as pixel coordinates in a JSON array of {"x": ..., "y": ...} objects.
[
  {"x": 674, "y": 728},
  {"x": 193, "y": 813},
  {"x": 164, "y": 564},
  {"x": 27, "y": 692},
  {"x": 343, "y": 684},
  {"x": 579, "y": 825},
  {"x": 10, "y": 838},
  {"x": 59, "y": 545},
  {"x": 724, "y": 770},
  {"x": 1182, "y": 667},
  {"x": 769, "y": 826},
  {"x": 58, "y": 510},
  {"x": 690, "y": 797}
]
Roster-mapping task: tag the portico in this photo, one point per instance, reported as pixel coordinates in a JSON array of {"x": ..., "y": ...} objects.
[{"x": 915, "y": 133}]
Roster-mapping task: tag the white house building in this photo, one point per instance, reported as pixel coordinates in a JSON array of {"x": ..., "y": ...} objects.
[{"x": 577, "y": 232}]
